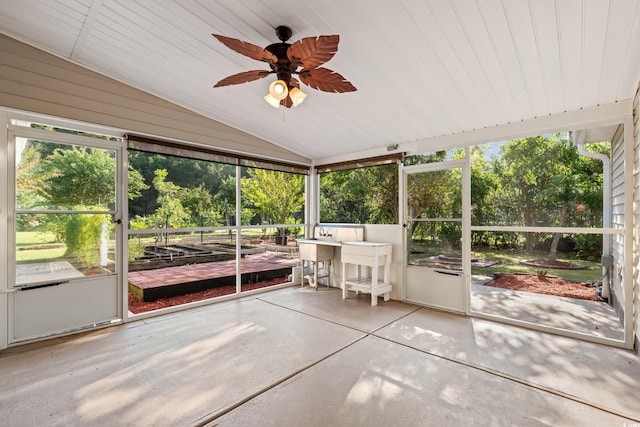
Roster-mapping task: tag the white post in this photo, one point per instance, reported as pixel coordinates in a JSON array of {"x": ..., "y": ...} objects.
[
  {"x": 103, "y": 245},
  {"x": 4, "y": 255}
]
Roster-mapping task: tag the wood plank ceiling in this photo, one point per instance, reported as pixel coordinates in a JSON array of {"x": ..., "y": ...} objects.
[{"x": 423, "y": 68}]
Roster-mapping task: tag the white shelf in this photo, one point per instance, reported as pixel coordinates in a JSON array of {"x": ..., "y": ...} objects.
[{"x": 367, "y": 254}]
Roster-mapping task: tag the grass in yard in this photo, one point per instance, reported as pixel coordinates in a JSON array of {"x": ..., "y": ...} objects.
[
  {"x": 509, "y": 262},
  {"x": 37, "y": 246},
  {"x": 39, "y": 255},
  {"x": 31, "y": 238}
]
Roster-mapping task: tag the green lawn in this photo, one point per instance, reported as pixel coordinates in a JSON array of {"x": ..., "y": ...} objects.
[
  {"x": 509, "y": 262},
  {"x": 30, "y": 238},
  {"x": 39, "y": 255},
  {"x": 45, "y": 246}
]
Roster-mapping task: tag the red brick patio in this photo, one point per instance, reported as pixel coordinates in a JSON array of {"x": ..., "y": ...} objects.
[{"x": 207, "y": 273}]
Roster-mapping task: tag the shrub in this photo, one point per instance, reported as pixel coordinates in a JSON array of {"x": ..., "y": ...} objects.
[
  {"x": 588, "y": 245},
  {"x": 82, "y": 237}
]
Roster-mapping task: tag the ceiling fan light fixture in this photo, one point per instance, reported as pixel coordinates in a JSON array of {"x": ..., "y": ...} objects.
[
  {"x": 274, "y": 102},
  {"x": 278, "y": 90},
  {"x": 297, "y": 96},
  {"x": 285, "y": 59}
]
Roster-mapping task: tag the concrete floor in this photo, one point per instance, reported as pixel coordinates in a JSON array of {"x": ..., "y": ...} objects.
[{"x": 297, "y": 357}]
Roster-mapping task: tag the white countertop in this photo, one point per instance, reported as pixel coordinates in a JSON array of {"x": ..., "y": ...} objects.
[
  {"x": 329, "y": 242},
  {"x": 326, "y": 242},
  {"x": 365, "y": 243}
]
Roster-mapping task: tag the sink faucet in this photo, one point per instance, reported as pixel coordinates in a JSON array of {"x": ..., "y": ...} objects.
[{"x": 324, "y": 233}]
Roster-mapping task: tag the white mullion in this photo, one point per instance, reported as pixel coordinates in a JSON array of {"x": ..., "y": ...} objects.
[
  {"x": 122, "y": 235},
  {"x": 5, "y": 205},
  {"x": 435, "y": 219},
  {"x": 627, "y": 283},
  {"x": 466, "y": 229},
  {"x": 238, "y": 229},
  {"x": 402, "y": 219},
  {"x": 525, "y": 229},
  {"x": 63, "y": 211},
  {"x": 64, "y": 138},
  {"x": 184, "y": 230},
  {"x": 11, "y": 211}
]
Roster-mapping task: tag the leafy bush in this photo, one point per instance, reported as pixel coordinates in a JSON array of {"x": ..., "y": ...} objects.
[
  {"x": 588, "y": 245},
  {"x": 451, "y": 234},
  {"x": 136, "y": 249},
  {"x": 82, "y": 236}
]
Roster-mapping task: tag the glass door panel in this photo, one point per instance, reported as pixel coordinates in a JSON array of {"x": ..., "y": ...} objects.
[
  {"x": 433, "y": 230},
  {"x": 64, "y": 240}
]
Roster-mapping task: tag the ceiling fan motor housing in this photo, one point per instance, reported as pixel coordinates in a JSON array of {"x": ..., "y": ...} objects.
[
  {"x": 283, "y": 68},
  {"x": 284, "y": 33}
]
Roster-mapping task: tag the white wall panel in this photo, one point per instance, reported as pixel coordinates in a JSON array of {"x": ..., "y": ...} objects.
[
  {"x": 636, "y": 214},
  {"x": 618, "y": 219},
  {"x": 58, "y": 309},
  {"x": 435, "y": 289}
]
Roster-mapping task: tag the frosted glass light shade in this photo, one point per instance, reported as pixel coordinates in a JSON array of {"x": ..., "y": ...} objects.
[
  {"x": 272, "y": 101},
  {"x": 297, "y": 96},
  {"x": 278, "y": 90}
]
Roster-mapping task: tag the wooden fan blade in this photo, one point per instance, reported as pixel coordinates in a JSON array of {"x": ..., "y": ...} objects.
[
  {"x": 244, "y": 77},
  {"x": 293, "y": 82},
  {"x": 311, "y": 52},
  {"x": 247, "y": 49},
  {"x": 326, "y": 80}
]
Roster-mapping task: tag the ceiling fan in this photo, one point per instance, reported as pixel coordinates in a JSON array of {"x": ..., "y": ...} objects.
[{"x": 284, "y": 59}]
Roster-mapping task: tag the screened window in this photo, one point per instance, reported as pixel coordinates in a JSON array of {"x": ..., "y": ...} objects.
[
  {"x": 190, "y": 238},
  {"x": 176, "y": 192},
  {"x": 65, "y": 202},
  {"x": 367, "y": 195},
  {"x": 539, "y": 181}
]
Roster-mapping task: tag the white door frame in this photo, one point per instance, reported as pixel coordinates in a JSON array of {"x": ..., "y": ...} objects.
[
  {"x": 4, "y": 277},
  {"x": 465, "y": 276},
  {"x": 105, "y": 290}
]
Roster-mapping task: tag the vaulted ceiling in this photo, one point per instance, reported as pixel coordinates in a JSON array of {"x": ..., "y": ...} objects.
[{"x": 423, "y": 68}]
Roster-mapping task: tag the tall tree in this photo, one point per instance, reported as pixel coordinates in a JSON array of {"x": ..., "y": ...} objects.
[
  {"x": 216, "y": 178},
  {"x": 199, "y": 204},
  {"x": 360, "y": 196},
  {"x": 433, "y": 194},
  {"x": 170, "y": 212},
  {"x": 542, "y": 181},
  {"x": 72, "y": 176},
  {"x": 275, "y": 195}
]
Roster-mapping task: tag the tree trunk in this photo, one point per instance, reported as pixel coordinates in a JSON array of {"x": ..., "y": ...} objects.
[
  {"x": 528, "y": 221},
  {"x": 553, "y": 252},
  {"x": 227, "y": 217},
  {"x": 411, "y": 227}
]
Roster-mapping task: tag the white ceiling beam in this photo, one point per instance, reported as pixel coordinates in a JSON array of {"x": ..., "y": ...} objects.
[
  {"x": 87, "y": 25},
  {"x": 574, "y": 120}
]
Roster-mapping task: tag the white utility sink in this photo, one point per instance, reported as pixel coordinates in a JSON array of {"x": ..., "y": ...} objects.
[{"x": 317, "y": 251}]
